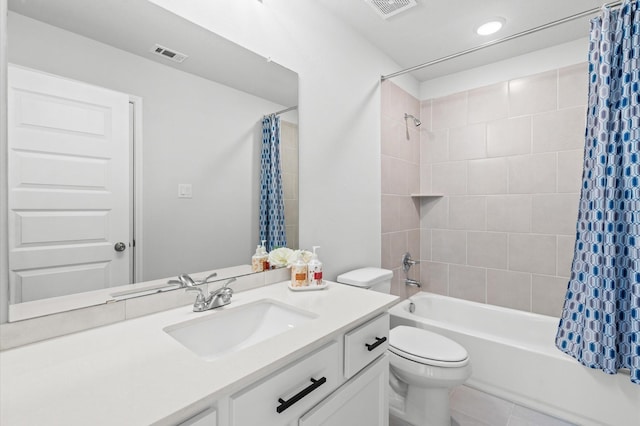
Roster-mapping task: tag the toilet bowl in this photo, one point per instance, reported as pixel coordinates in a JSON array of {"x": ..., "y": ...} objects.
[{"x": 424, "y": 366}]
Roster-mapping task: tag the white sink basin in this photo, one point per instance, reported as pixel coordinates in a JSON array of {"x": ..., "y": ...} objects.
[{"x": 230, "y": 330}]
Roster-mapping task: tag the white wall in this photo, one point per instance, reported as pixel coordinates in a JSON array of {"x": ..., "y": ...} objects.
[
  {"x": 4, "y": 258},
  {"x": 339, "y": 116},
  {"x": 548, "y": 59},
  {"x": 194, "y": 130}
]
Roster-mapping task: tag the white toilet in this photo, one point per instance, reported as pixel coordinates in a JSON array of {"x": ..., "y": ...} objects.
[{"x": 424, "y": 365}]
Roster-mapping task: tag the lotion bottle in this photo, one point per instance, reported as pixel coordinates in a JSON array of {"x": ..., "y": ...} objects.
[
  {"x": 299, "y": 273},
  {"x": 264, "y": 257},
  {"x": 315, "y": 269},
  {"x": 257, "y": 263}
]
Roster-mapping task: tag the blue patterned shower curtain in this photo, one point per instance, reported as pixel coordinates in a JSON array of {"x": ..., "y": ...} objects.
[
  {"x": 272, "y": 227},
  {"x": 600, "y": 324}
]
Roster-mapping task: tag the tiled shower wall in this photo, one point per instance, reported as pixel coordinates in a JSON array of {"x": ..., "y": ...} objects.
[
  {"x": 507, "y": 159},
  {"x": 400, "y": 178}
]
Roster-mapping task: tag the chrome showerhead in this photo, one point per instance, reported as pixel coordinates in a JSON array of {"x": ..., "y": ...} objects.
[{"x": 416, "y": 121}]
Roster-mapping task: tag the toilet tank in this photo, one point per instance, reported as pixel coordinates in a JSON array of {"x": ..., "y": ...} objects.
[{"x": 370, "y": 278}]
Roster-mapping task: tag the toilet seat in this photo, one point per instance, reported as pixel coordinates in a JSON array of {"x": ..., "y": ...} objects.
[{"x": 425, "y": 347}]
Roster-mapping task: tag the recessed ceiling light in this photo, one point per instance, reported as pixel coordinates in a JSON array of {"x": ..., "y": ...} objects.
[{"x": 490, "y": 27}]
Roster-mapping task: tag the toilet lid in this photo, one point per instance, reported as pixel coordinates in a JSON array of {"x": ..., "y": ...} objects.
[{"x": 425, "y": 347}]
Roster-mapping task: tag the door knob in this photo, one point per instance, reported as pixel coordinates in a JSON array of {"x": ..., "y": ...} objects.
[{"x": 120, "y": 246}]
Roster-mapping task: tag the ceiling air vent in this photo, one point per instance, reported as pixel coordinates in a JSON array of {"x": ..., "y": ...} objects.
[
  {"x": 389, "y": 8},
  {"x": 168, "y": 53}
]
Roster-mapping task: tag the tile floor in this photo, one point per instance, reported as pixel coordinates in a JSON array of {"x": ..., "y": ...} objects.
[{"x": 470, "y": 407}]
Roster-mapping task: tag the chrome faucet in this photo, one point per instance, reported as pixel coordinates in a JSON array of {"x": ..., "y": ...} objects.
[
  {"x": 411, "y": 282},
  {"x": 215, "y": 299}
]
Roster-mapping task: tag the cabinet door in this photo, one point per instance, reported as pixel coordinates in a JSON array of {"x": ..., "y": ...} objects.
[
  {"x": 283, "y": 397},
  {"x": 362, "y": 401}
]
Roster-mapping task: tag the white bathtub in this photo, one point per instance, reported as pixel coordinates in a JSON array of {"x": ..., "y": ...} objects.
[{"x": 513, "y": 356}]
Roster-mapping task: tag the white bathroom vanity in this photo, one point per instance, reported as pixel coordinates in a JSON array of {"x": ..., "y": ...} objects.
[{"x": 330, "y": 368}]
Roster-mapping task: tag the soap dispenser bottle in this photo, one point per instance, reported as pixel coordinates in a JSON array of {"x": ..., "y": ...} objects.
[
  {"x": 264, "y": 257},
  {"x": 257, "y": 264},
  {"x": 315, "y": 269},
  {"x": 299, "y": 272}
]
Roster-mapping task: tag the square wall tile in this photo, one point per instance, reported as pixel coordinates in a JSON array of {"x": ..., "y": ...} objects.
[
  {"x": 469, "y": 283},
  {"x": 467, "y": 213},
  {"x": 566, "y": 248},
  {"x": 509, "y": 289},
  {"x": 389, "y": 212},
  {"x": 449, "y": 178},
  {"x": 573, "y": 85},
  {"x": 392, "y": 137},
  {"x": 488, "y": 176},
  {"x": 509, "y": 213},
  {"x": 395, "y": 176},
  {"x": 398, "y": 246},
  {"x": 426, "y": 185},
  {"x": 435, "y": 277},
  {"x": 414, "y": 245},
  {"x": 385, "y": 251},
  {"x": 532, "y": 253},
  {"x": 449, "y": 111},
  {"x": 449, "y": 246},
  {"x": 559, "y": 130},
  {"x": 425, "y": 244},
  {"x": 390, "y": 98},
  {"x": 468, "y": 142},
  {"x": 570, "y": 167},
  {"x": 488, "y": 103},
  {"x": 434, "y": 147},
  {"x": 487, "y": 249},
  {"x": 531, "y": 174},
  {"x": 555, "y": 214},
  {"x": 434, "y": 213},
  {"x": 533, "y": 94},
  {"x": 413, "y": 178},
  {"x": 425, "y": 115},
  {"x": 510, "y": 136},
  {"x": 395, "y": 101},
  {"x": 548, "y": 294}
]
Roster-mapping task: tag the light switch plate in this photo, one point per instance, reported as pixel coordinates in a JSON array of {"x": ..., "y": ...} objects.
[{"x": 185, "y": 190}]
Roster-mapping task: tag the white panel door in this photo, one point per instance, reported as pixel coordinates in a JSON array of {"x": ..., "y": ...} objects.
[{"x": 68, "y": 186}]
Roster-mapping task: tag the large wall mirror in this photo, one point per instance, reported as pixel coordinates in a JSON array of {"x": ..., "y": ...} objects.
[{"x": 189, "y": 176}]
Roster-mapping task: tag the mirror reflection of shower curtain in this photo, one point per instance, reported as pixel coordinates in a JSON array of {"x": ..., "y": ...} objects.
[
  {"x": 272, "y": 224},
  {"x": 600, "y": 324}
]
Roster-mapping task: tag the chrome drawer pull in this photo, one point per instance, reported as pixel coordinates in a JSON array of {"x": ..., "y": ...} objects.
[
  {"x": 372, "y": 346},
  {"x": 315, "y": 384}
]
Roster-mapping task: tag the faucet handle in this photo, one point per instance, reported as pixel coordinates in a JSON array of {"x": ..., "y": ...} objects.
[
  {"x": 208, "y": 277},
  {"x": 186, "y": 281}
]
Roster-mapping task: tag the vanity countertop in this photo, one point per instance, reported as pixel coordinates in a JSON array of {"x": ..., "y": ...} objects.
[{"x": 134, "y": 373}]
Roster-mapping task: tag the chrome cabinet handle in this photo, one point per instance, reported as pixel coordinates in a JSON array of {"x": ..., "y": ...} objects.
[
  {"x": 372, "y": 346},
  {"x": 120, "y": 246},
  {"x": 315, "y": 384}
]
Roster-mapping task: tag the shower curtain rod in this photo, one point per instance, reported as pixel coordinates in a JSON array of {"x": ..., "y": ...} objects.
[
  {"x": 614, "y": 4},
  {"x": 283, "y": 111}
]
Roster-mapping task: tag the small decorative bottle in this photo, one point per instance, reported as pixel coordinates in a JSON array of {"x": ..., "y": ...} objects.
[
  {"x": 264, "y": 257},
  {"x": 299, "y": 273},
  {"x": 257, "y": 260},
  {"x": 315, "y": 269}
]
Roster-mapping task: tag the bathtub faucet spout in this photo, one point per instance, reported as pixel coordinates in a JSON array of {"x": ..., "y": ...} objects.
[{"x": 414, "y": 283}]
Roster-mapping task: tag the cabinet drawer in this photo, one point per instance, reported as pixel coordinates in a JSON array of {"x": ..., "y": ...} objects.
[
  {"x": 287, "y": 394},
  {"x": 364, "y": 344}
]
